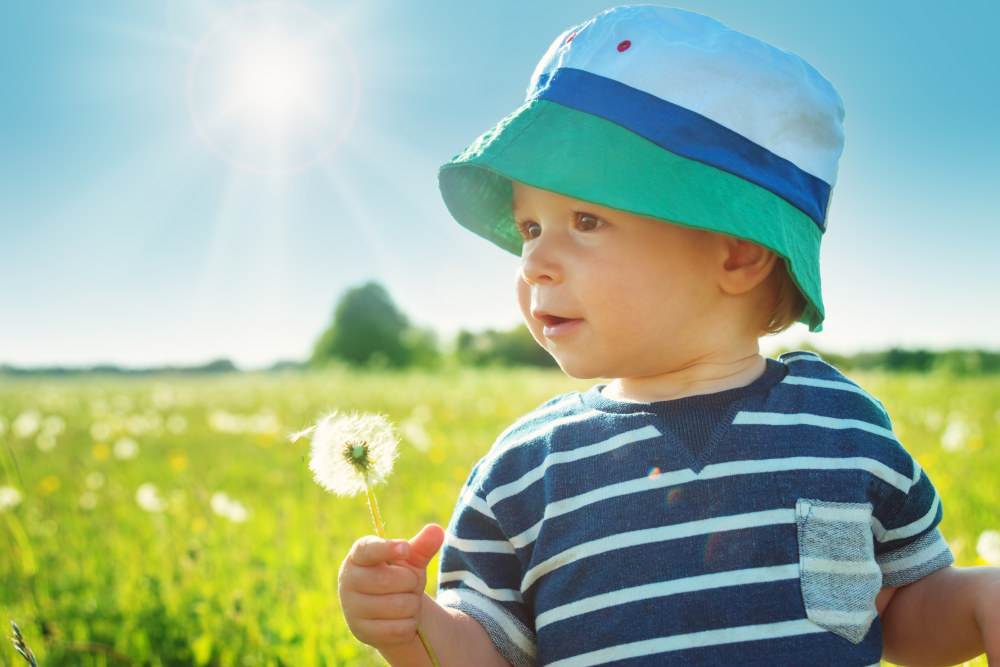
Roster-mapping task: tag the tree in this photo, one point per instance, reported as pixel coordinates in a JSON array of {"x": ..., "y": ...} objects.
[
  {"x": 514, "y": 347},
  {"x": 367, "y": 329}
]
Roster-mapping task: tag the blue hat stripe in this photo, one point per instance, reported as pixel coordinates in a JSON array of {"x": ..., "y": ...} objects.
[{"x": 686, "y": 133}]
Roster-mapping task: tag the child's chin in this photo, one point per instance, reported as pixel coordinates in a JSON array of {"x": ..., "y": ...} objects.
[{"x": 577, "y": 371}]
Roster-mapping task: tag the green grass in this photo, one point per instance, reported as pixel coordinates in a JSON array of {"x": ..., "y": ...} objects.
[{"x": 93, "y": 578}]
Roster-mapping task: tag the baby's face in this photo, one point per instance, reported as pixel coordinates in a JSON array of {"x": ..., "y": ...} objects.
[{"x": 611, "y": 294}]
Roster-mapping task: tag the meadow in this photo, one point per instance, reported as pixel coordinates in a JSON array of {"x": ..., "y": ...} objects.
[{"x": 168, "y": 520}]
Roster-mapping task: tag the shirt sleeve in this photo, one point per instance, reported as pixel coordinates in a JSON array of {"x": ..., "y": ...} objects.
[
  {"x": 480, "y": 575},
  {"x": 908, "y": 543}
]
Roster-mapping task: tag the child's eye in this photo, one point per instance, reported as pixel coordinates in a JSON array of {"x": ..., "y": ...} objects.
[
  {"x": 588, "y": 223},
  {"x": 529, "y": 229}
]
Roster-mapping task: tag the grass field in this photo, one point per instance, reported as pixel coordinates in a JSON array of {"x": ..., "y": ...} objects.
[{"x": 168, "y": 521}]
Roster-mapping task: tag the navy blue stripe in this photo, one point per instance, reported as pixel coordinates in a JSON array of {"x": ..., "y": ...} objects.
[{"x": 687, "y": 134}]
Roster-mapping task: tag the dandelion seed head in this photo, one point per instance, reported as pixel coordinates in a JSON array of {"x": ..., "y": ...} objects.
[
  {"x": 356, "y": 454},
  {"x": 294, "y": 437},
  {"x": 352, "y": 451}
]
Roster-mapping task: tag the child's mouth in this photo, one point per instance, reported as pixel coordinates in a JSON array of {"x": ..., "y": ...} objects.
[{"x": 554, "y": 326}]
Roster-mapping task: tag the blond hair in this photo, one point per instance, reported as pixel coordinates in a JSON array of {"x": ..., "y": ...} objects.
[{"x": 787, "y": 301}]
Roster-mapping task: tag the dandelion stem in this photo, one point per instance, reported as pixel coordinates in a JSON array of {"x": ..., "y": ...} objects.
[
  {"x": 373, "y": 506},
  {"x": 377, "y": 518}
]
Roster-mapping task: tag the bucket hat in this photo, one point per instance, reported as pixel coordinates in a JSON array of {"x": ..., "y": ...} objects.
[{"x": 670, "y": 115}]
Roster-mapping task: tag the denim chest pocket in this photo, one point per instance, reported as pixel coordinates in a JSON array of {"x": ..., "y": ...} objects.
[{"x": 837, "y": 570}]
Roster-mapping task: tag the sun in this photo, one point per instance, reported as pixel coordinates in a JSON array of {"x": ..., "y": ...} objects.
[{"x": 273, "y": 88}]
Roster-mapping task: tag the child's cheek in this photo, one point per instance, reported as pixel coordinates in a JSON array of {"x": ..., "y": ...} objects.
[
  {"x": 524, "y": 301},
  {"x": 523, "y": 291}
]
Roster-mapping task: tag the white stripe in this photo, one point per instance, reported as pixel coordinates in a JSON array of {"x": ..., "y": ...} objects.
[
  {"x": 925, "y": 555},
  {"x": 746, "y": 633},
  {"x": 479, "y": 546},
  {"x": 538, "y": 433},
  {"x": 715, "y": 471},
  {"x": 574, "y": 503},
  {"x": 468, "y": 498},
  {"x": 539, "y": 414},
  {"x": 832, "y": 384},
  {"x": 653, "y": 535},
  {"x": 806, "y": 419},
  {"x": 477, "y": 584},
  {"x": 917, "y": 471},
  {"x": 511, "y": 627},
  {"x": 910, "y": 529},
  {"x": 532, "y": 476},
  {"x": 810, "y": 564},
  {"x": 662, "y": 589}
]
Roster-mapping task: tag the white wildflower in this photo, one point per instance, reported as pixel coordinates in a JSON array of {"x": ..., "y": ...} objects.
[
  {"x": 94, "y": 480},
  {"x": 229, "y": 508},
  {"x": 956, "y": 434},
  {"x": 100, "y": 431},
  {"x": 988, "y": 547},
  {"x": 9, "y": 498},
  {"x": 352, "y": 452},
  {"x": 45, "y": 442},
  {"x": 413, "y": 431},
  {"x": 148, "y": 497},
  {"x": 221, "y": 421},
  {"x": 53, "y": 425},
  {"x": 88, "y": 500},
  {"x": 126, "y": 449},
  {"x": 26, "y": 424},
  {"x": 163, "y": 396}
]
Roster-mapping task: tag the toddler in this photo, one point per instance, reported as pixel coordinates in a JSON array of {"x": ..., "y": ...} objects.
[{"x": 666, "y": 186}]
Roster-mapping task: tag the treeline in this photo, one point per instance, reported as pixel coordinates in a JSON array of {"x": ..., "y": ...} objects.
[
  {"x": 959, "y": 362},
  {"x": 368, "y": 330},
  {"x": 216, "y": 366}
]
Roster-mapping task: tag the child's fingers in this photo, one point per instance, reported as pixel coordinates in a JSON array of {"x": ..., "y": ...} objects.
[
  {"x": 372, "y": 550},
  {"x": 380, "y": 579},
  {"x": 394, "y": 606},
  {"x": 381, "y": 633},
  {"x": 425, "y": 544}
]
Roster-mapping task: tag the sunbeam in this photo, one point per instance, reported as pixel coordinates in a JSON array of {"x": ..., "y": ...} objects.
[{"x": 273, "y": 88}]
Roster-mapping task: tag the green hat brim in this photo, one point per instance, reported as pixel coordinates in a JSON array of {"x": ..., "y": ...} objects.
[{"x": 579, "y": 155}]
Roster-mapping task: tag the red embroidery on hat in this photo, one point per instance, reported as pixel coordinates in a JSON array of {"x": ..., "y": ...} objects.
[
  {"x": 570, "y": 38},
  {"x": 624, "y": 45}
]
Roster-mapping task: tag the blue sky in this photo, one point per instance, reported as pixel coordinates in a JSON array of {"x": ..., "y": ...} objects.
[{"x": 147, "y": 216}]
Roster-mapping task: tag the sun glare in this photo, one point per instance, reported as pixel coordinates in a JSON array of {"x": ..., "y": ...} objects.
[{"x": 273, "y": 88}]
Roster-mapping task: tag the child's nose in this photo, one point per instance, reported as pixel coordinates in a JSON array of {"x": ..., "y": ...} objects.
[{"x": 539, "y": 263}]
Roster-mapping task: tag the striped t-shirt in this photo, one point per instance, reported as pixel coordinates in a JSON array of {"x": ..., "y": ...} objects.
[{"x": 590, "y": 533}]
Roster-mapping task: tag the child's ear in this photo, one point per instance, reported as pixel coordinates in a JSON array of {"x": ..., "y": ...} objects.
[{"x": 746, "y": 265}]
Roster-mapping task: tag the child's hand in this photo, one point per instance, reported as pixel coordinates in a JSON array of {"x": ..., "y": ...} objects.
[{"x": 381, "y": 586}]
